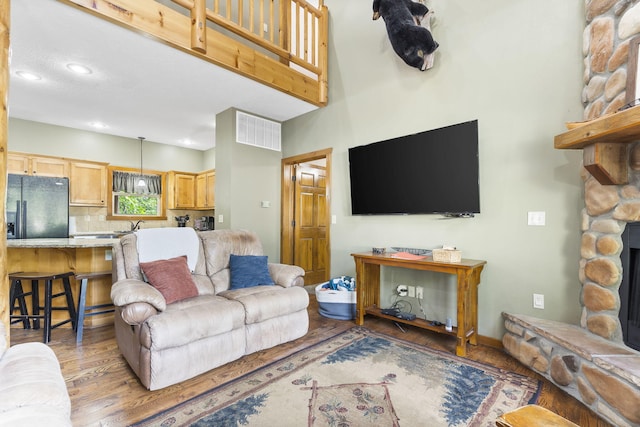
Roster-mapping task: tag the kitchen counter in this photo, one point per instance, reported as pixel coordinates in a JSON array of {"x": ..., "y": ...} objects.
[
  {"x": 61, "y": 243},
  {"x": 79, "y": 255}
]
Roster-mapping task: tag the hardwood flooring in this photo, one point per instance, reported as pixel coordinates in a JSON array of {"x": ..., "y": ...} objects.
[{"x": 105, "y": 392}]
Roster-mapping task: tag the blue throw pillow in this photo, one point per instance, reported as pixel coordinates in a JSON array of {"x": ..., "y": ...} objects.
[{"x": 248, "y": 271}]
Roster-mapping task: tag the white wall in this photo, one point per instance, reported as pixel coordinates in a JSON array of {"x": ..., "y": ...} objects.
[
  {"x": 40, "y": 138},
  {"x": 517, "y": 68},
  {"x": 245, "y": 177}
]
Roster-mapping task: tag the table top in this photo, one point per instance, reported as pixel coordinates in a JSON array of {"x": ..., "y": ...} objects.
[
  {"x": 428, "y": 260},
  {"x": 61, "y": 243}
]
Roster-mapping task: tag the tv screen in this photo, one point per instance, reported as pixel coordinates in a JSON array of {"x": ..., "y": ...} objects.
[{"x": 435, "y": 171}]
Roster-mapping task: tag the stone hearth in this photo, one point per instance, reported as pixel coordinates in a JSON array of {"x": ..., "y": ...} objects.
[
  {"x": 602, "y": 374},
  {"x": 590, "y": 361}
]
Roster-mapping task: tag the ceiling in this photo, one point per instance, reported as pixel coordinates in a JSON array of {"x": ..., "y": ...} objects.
[{"x": 137, "y": 87}]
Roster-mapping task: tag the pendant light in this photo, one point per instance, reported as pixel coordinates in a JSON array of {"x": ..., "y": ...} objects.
[{"x": 141, "y": 182}]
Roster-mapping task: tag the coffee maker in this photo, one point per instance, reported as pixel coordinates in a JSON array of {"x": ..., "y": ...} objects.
[{"x": 205, "y": 223}]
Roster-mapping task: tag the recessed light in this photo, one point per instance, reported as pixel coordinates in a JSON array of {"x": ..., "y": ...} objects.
[
  {"x": 27, "y": 75},
  {"x": 98, "y": 125},
  {"x": 79, "y": 69}
]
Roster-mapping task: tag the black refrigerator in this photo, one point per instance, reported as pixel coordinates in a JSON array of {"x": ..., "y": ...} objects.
[{"x": 37, "y": 207}]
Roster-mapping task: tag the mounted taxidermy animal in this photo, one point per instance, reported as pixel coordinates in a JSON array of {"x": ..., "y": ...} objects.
[{"x": 411, "y": 40}]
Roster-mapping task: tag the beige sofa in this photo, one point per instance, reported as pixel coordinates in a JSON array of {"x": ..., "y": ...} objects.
[
  {"x": 32, "y": 390},
  {"x": 168, "y": 343}
]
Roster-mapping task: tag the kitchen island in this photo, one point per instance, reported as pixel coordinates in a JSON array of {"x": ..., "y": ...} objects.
[{"x": 61, "y": 255}]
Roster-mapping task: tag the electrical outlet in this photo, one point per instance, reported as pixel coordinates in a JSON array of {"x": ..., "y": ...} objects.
[
  {"x": 419, "y": 292},
  {"x": 402, "y": 290},
  {"x": 412, "y": 292},
  {"x": 538, "y": 301}
]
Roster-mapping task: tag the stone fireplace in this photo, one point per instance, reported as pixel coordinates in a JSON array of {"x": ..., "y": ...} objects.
[
  {"x": 591, "y": 361},
  {"x": 608, "y": 209},
  {"x": 630, "y": 286}
]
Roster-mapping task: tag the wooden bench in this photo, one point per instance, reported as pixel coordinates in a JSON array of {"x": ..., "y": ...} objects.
[{"x": 532, "y": 416}]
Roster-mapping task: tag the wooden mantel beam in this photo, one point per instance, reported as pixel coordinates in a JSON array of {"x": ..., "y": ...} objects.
[
  {"x": 621, "y": 127},
  {"x": 605, "y": 142}
]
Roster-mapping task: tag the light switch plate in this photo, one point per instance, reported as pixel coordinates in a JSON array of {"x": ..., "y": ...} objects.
[
  {"x": 536, "y": 218},
  {"x": 538, "y": 301}
]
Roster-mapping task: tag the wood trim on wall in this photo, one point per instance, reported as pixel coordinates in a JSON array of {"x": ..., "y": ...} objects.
[
  {"x": 4, "y": 88},
  {"x": 632, "y": 70}
]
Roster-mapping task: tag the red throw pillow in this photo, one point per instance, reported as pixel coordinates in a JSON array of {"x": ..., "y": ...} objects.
[{"x": 171, "y": 277}]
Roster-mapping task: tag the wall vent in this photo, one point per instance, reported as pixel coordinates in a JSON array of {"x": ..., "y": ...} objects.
[{"x": 256, "y": 131}]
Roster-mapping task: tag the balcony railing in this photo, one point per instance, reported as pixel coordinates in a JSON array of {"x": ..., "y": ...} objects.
[{"x": 280, "y": 43}]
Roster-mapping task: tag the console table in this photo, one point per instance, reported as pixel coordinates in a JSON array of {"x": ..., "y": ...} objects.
[{"x": 468, "y": 274}]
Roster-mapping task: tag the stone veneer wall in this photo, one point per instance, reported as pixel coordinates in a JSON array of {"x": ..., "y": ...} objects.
[
  {"x": 611, "y": 24},
  {"x": 590, "y": 361}
]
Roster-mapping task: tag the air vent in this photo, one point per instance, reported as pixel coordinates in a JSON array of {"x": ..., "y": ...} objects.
[{"x": 256, "y": 131}]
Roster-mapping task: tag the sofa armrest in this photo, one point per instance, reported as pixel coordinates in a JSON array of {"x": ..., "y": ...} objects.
[
  {"x": 136, "y": 313},
  {"x": 129, "y": 291},
  {"x": 286, "y": 275}
]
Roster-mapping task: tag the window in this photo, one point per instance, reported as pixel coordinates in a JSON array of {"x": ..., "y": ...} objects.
[{"x": 131, "y": 199}]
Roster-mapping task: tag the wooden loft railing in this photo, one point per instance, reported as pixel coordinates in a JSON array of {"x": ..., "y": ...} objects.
[{"x": 280, "y": 43}]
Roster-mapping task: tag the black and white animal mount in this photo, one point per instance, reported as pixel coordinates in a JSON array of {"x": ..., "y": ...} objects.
[{"x": 409, "y": 29}]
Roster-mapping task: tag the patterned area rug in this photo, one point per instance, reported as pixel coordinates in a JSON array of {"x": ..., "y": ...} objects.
[{"x": 359, "y": 378}]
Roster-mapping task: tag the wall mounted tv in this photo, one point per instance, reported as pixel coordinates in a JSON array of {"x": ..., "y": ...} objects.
[{"x": 432, "y": 172}]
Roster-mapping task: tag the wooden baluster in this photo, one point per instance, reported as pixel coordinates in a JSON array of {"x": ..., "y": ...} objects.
[
  {"x": 261, "y": 23},
  {"x": 271, "y": 21},
  {"x": 199, "y": 26}
]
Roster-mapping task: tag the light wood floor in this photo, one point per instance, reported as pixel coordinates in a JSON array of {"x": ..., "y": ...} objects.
[{"x": 105, "y": 392}]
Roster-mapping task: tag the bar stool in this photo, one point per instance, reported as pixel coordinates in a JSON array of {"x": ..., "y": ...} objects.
[
  {"x": 83, "y": 309},
  {"x": 17, "y": 295},
  {"x": 49, "y": 296}
]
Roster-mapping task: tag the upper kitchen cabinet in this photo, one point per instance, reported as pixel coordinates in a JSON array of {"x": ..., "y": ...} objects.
[
  {"x": 88, "y": 184},
  {"x": 205, "y": 190},
  {"x": 24, "y": 164},
  {"x": 181, "y": 187}
]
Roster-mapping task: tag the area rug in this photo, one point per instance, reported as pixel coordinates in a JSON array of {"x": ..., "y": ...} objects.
[{"x": 359, "y": 378}]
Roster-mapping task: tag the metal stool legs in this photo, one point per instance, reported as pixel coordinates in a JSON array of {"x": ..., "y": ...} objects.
[{"x": 83, "y": 309}]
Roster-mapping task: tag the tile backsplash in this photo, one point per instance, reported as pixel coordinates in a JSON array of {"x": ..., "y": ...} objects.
[{"x": 93, "y": 219}]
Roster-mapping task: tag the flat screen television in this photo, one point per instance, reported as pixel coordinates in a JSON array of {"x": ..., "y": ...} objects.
[{"x": 432, "y": 172}]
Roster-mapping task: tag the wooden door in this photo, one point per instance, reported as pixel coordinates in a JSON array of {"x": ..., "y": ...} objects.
[
  {"x": 88, "y": 184},
  {"x": 49, "y": 166},
  {"x": 201, "y": 191},
  {"x": 211, "y": 189},
  {"x": 310, "y": 226},
  {"x": 17, "y": 164},
  {"x": 182, "y": 190}
]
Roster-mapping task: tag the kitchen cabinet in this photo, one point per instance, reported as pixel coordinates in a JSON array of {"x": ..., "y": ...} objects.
[
  {"x": 181, "y": 191},
  {"x": 88, "y": 184},
  {"x": 24, "y": 164},
  {"x": 205, "y": 189}
]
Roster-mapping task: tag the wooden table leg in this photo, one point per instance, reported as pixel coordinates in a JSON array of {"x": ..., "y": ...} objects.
[
  {"x": 367, "y": 287},
  {"x": 463, "y": 301}
]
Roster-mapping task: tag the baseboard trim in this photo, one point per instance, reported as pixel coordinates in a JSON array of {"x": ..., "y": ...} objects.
[{"x": 490, "y": 342}]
